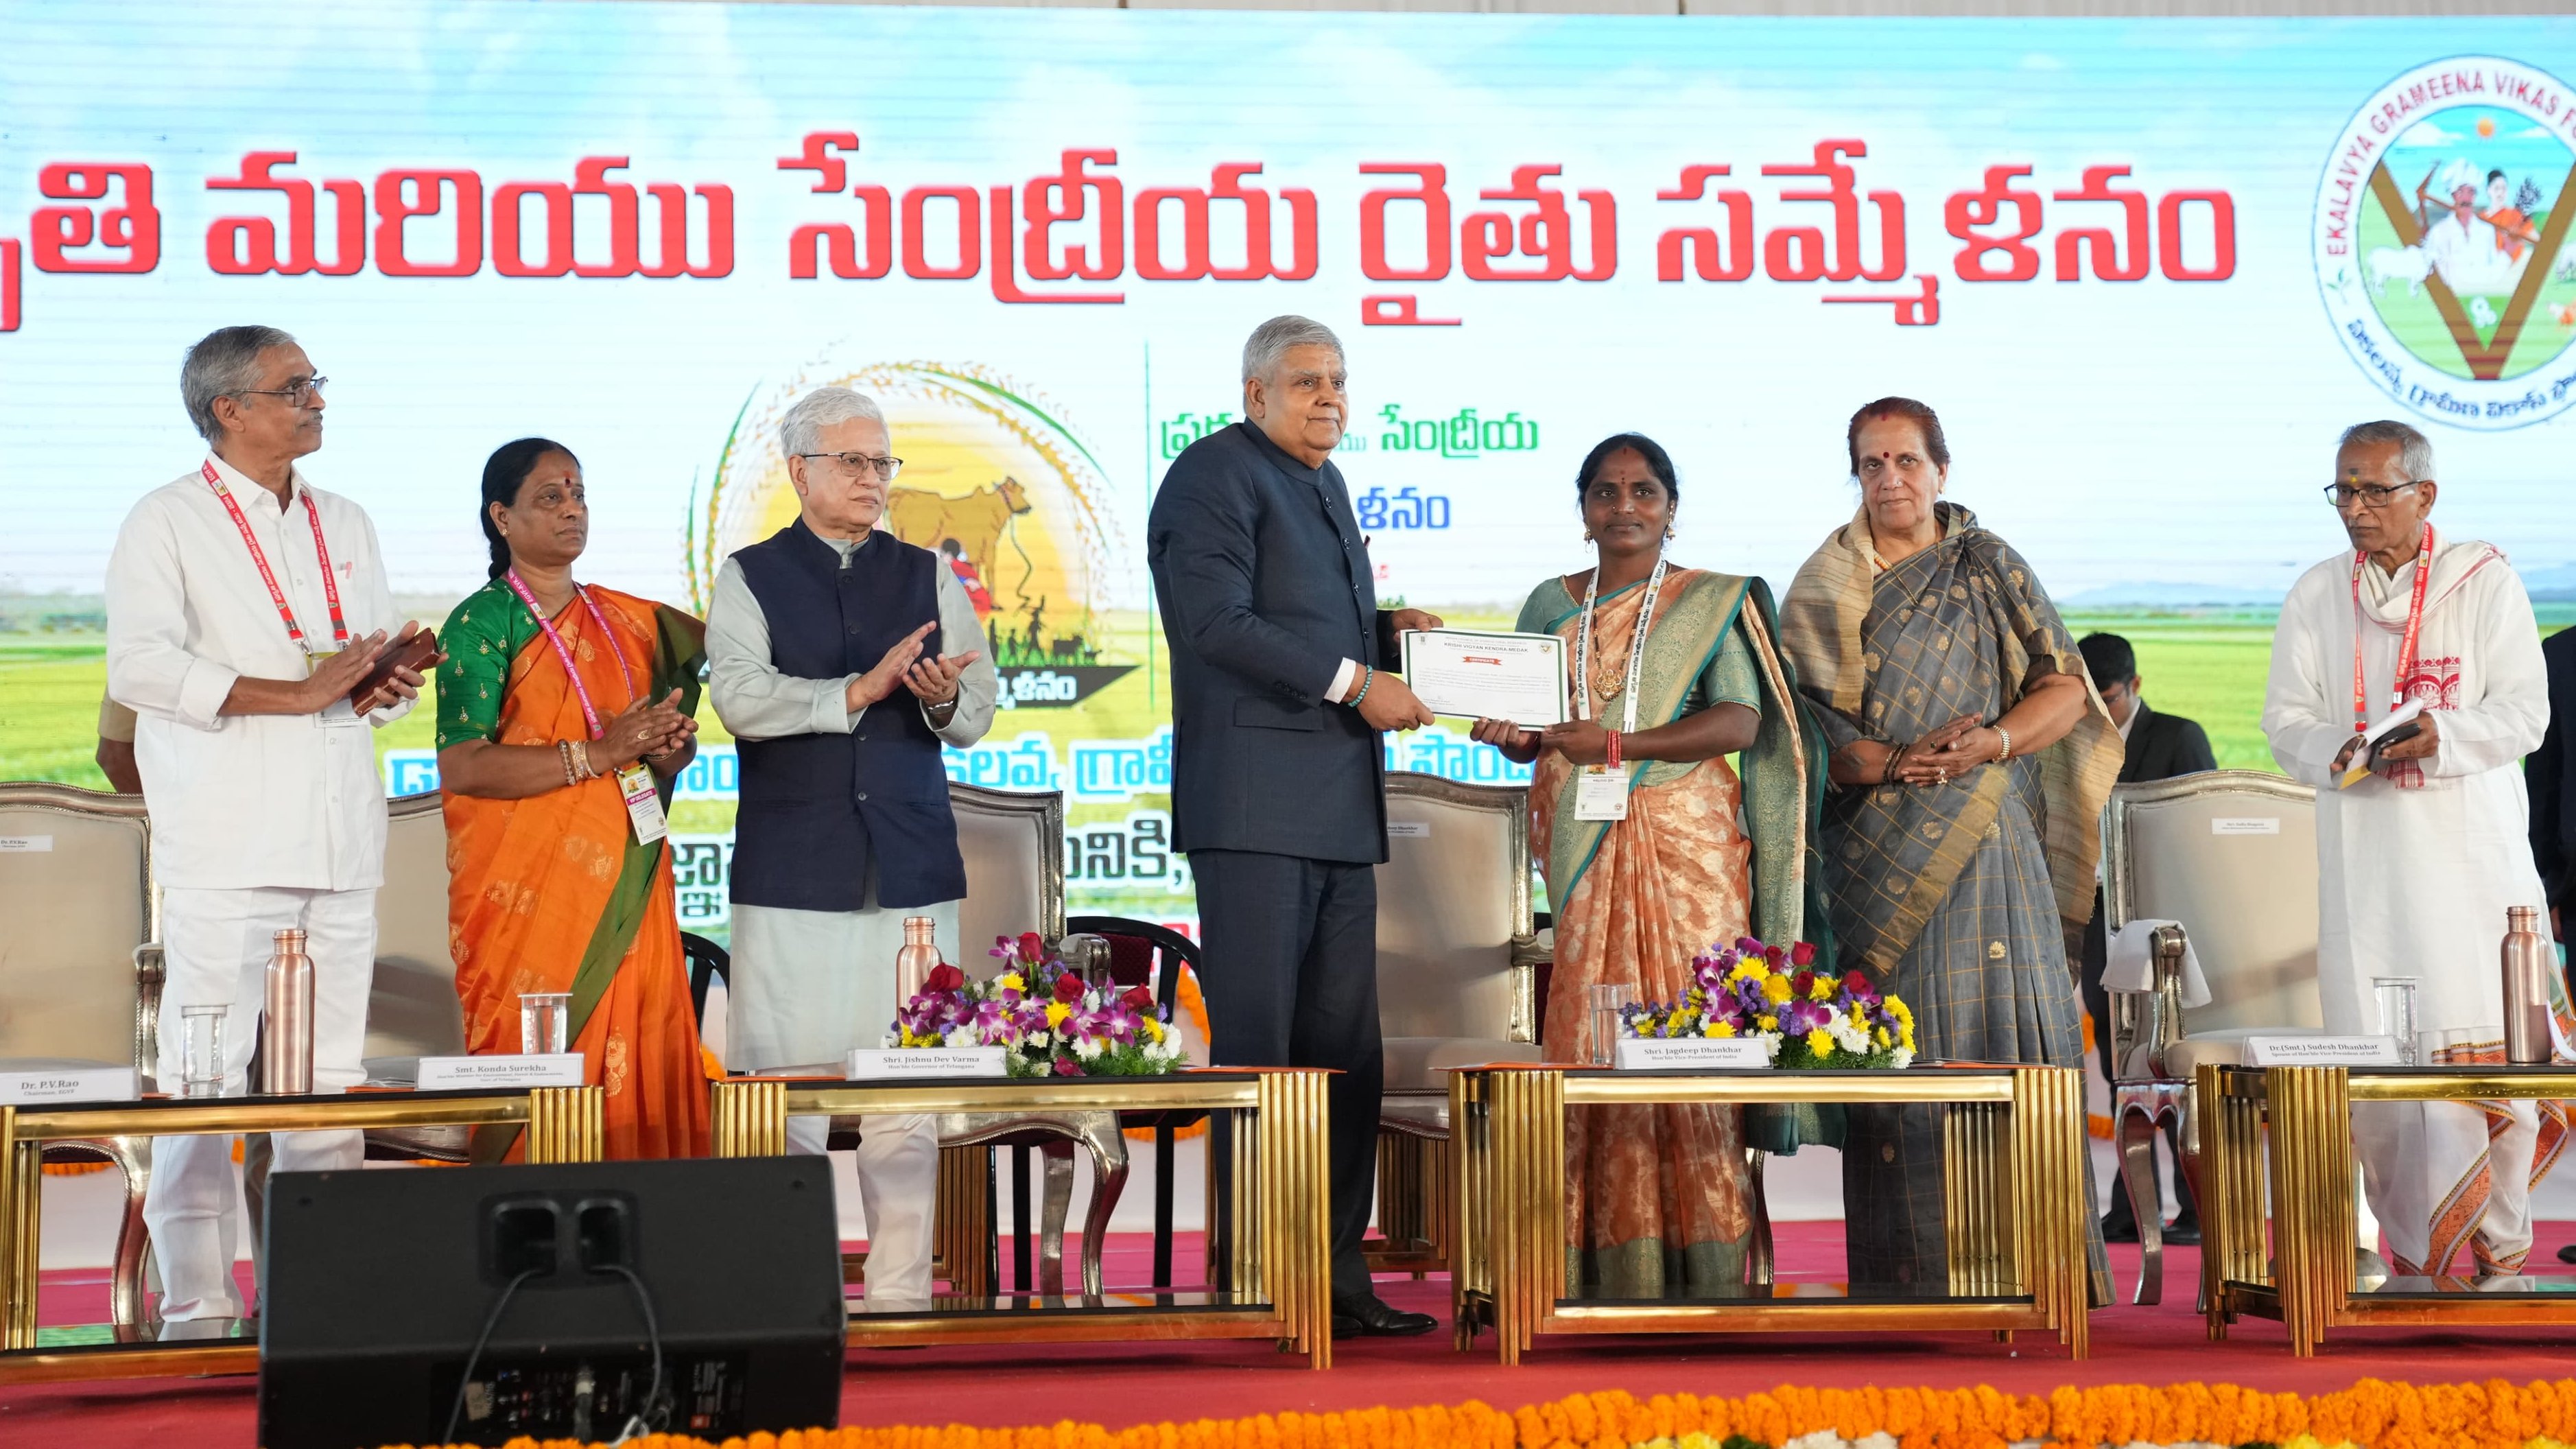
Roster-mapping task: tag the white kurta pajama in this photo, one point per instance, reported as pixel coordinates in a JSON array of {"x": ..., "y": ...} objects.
[
  {"x": 2416, "y": 868},
  {"x": 259, "y": 822},
  {"x": 807, "y": 986}
]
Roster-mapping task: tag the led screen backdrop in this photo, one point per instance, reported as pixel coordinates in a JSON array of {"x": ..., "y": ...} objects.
[{"x": 2145, "y": 270}]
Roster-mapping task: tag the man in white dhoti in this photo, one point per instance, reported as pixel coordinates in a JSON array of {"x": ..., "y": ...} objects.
[
  {"x": 842, "y": 659},
  {"x": 2418, "y": 862}
]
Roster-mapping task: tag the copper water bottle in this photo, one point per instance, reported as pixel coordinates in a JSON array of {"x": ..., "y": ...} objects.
[
  {"x": 286, "y": 1054},
  {"x": 914, "y": 963},
  {"x": 2527, "y": 962}
]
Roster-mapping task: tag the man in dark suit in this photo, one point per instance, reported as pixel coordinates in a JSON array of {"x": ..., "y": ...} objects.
[
  {"x": 1279, "y": 696},
  {"x": 2160, "y": 746}
]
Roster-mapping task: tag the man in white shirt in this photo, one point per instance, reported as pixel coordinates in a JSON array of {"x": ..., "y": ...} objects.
[
  {"x": 243, "y": 606},
  {"x": 843, "y": 659},
  {"x": 2418, "y": 862}
]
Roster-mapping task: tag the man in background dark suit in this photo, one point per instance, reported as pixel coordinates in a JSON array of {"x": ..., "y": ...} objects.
[
  {"x": 1278, "y": 775},
  {"x": 2160, "y": 746}
]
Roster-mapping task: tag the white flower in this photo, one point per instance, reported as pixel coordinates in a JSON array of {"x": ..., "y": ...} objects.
[
  {"x": 1903, "y": 1058},
  {"x": 890, "y": 1040},
  {"x": 963, "y": 1036},
  {"x": 1039, "y": 1039},
  {"x": 1770, "y": 1043},
  {"x": 1087, "y": 1048}
]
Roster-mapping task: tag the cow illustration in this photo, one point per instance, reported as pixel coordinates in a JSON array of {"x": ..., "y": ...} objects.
[{"x": 975, "y": 522}]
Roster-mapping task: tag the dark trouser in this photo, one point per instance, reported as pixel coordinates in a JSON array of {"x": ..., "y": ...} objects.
[
  {"x": 1291, "y": 948},
  {"x": 2097, "y": 1002}
]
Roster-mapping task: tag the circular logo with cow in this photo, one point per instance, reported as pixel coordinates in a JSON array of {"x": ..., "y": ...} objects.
[
  {"x": 2442, "y": 242},
  {"x": 992, "y": 482}
]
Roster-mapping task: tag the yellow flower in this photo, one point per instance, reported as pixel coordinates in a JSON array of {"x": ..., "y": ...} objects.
[
  {"x": 1821, "y": 1042},
  {"x": 1722, "y": 1030},
  {"x": 1769, "y": 1023},
  {"x": 1057, "y": 1011},
  {"x": 1153, "y": 1029},
  {"x": 1775, "y": 989},
  {"x": 1749, "y": 969},
  {"x": 1011, "y": 981}
]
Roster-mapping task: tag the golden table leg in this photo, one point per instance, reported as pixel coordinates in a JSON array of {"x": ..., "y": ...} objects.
[
  {"x": 2047, "y": 1197},
  {"x": 2312, "y": 1210},
  {"x": 1469, "y": 1167},
  {"x": 21, "y": 1203},
  {"x": 750, "y": 1118},
  {"x": 567, "y": 1124}
]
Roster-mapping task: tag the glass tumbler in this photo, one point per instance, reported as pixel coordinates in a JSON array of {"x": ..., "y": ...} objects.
[
  {"x": 201, "y": 1050},
  {"x": 2397, "y": 1013},
  {"x": 545, "y": 1022},
  {"x": 1608, "y": 1000}
]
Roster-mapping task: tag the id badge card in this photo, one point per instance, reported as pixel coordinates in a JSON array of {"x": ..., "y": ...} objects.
[
  {"x": 1601, "y": 794},
  {"x": 339, "y": 713},
  {"x": 643, "y": 804}
]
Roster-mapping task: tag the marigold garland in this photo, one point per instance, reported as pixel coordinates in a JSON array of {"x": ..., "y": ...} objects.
[{"x": 2370, "y": 1415}]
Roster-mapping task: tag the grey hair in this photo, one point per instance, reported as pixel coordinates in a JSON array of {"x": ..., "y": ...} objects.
[
  {"x": 2414, "y": 450},
  {"x": 224, "y": 363},
  {"x": 1271, "y": 340},
  {"x": 801, "y": 431}
]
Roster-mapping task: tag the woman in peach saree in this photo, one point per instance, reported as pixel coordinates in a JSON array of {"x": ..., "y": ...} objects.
[
  {"x": 1658, "y": 1198},
  {"x": 551, "y": 690}
]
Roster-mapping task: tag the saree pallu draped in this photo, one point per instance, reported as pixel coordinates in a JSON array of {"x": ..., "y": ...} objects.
[
  {"x": 1958, "y": 897},
  {"x": 553, "y": 893},
  {"x": 1658, "y": 1198}
]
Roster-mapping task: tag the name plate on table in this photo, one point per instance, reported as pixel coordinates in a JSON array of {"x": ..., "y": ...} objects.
[
  {"x": 26, "y": 1087},
  {"x": 2322, "y": 1051},
  {"x": 877, "y": 1064},
  {"x": 540, "y": 1069},
  {"x": 1691, "y": 1054}
]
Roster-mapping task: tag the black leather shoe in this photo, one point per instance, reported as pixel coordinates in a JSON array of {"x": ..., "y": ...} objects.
[
  {"x": 1370, "y": 1316},
  {"x": 2184, "y": 1230},
  {"x": 2119, "y": 1225},
  {"x": 2567, "y": 1254}
]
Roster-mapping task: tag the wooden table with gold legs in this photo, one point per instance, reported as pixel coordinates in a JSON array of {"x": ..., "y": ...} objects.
[
  {"x": 2013, "y": 1141},
  {"x": 2305, "y": 1278},
  {"x": 1277, "y": 1282},
  {"x": 564, "y": 1125}
]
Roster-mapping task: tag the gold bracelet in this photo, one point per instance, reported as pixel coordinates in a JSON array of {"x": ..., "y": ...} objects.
[
  {"x": 563, "y": 751},
  {"x": 2006, "y": 736}
]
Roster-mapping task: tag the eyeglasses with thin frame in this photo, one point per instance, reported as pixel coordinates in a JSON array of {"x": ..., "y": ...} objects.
[
  {"x": 301, "y": 392},
  {"x": 2372, "y": 495},
  {"x": 860, "y": 463}
]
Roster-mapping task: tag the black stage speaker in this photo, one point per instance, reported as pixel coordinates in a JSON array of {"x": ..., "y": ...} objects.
[{"x": 380, "y": 1283}]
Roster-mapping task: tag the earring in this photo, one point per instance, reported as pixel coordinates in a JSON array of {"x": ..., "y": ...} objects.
[
  {"x": 1587, "y": 535},
  {"x": 1668, "y": 530}
]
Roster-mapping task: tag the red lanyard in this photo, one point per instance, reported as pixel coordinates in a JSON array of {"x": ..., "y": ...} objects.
[
  {"x": 607, "y": 641},
  {"x": 2406, "y": 644},
  {"x": 276, "y": 595}
]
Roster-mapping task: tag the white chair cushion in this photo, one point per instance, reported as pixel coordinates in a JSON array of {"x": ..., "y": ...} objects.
[{"x": 1422, "y": 1063}]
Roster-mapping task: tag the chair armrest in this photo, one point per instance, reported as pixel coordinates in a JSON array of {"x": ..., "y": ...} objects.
[
  {"x": 2145, "y": 1023},
  {"x": 1529, "y": 955},
  {"x": 149, "y": 972}
]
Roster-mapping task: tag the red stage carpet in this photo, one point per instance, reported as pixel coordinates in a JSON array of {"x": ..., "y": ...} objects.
[{"x": 1121, "y": 1384}]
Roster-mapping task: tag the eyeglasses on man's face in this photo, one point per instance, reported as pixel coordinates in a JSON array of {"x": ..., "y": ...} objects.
[
  {"x": 858, "y": 464},
  {"x": 2368, "y": 495},
  {"x": 302, "y": 392}
]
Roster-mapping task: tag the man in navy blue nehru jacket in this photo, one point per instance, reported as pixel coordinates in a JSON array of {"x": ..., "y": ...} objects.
[{"x": 842, "y": 658}]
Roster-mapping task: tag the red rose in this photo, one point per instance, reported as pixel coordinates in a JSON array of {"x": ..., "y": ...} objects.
[
  {"x": 1067, "y": 1067},
  {"x": 1856, "y": 983},
  {"x": 944, "y": 977},
  {"x": 1803, "y": 954},
  {"x": 1068, "y": 988},
  {"x": 1137, "y": 999},
  {"x": 1032, "y": 946},
  {"x": 1802, "y": 983},
  {"x": 1775, "y": 956}
]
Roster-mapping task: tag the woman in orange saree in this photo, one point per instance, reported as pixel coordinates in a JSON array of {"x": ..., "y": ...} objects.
[
  {"x": 552, "y": 689},
  {"x": 1659, "y": 1199}
]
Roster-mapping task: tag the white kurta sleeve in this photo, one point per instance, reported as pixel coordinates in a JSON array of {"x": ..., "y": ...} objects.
[
  {"x": 2301, "y": 707},
  {"x": 149, "y": 668},
  {"x": 2512, "y": 709},
  {"x": 959, "y": 632},
  {"x": 750, "y": 695}
]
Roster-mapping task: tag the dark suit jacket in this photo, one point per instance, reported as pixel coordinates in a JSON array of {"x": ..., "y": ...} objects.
[
  {"x": 2162, "y": 746},
  {"x": 1264, "y": 584},
  {"x": 2553, "y": 784}
]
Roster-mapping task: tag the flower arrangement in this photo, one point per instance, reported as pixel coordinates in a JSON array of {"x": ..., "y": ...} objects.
[
  {"x": 1050, "y": 1019},
  {"x": 1804, "y": 1018}
]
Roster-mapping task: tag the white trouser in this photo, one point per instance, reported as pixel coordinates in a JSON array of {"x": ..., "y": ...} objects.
[
  {"x": 806, "y": 987},
  {"x": 216, "y": 944}
]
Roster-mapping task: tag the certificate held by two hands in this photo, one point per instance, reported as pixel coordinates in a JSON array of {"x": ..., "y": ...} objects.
[{"x": 1468, "y": 674}]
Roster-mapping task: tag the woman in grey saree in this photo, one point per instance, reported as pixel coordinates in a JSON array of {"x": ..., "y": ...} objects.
[{"x": 1971, "y": 758}]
